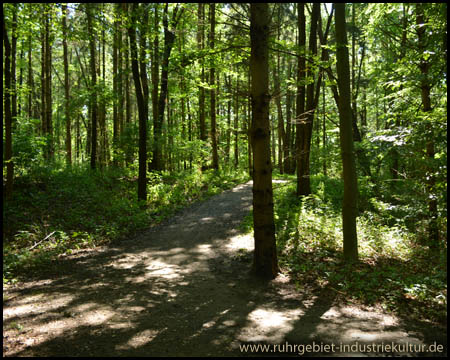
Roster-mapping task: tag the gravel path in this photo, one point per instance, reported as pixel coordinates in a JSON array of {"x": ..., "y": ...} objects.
[{"x": 183, "y": 288}]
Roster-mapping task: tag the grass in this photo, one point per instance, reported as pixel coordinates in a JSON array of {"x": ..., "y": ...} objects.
[
  {"x": 56, "y": 212},
  {"x": 396, "y": 271}
]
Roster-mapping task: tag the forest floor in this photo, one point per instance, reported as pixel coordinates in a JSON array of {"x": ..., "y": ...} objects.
[{"x": 183, "y": 288}]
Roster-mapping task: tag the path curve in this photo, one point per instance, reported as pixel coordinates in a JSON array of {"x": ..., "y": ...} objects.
[{"x": 182, "y": 288}]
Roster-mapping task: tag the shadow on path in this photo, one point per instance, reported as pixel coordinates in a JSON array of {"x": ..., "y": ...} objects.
[{"x": 180, "y": 289}]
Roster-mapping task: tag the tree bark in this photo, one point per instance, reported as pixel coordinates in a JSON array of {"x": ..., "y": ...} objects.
[
  {"x": 349, "y": 205},
  {"x": 300, "y": 101},
  {"x": 8, "y": 115},
  {"x": 306, "y": 125},
  {"x": 265, "y": 256},
  {"x": 215, "y": 156},
  {"x": 141, "y": 87},
  {"x": 90, "y": 8},
  {"x": 48, "y": 87},
  {"x": 201, "y": 96},
  {"x": 169, "y": 38},
  {"x": 66, "y": 87},
  {"x": 425, "y": 87}
]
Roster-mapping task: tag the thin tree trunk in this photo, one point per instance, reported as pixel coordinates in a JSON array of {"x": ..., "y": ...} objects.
[
  {"x": 236, "y": 126},
  {"x": 66, "y": 87},
  {"x": 300, "y": 106},
  {"x": 48, "y": 87},
  {"x": 30, "y": 67},
  {"x": 228, "y": 134},
  {"x": 90, "y": 8},
  {"x": 215, "y": 156},
  {"x": 169, "y": 38},
  {"x": 201, "y": 96},
  {"x": 115, "y": 84},
  {"x": 141, "y": 87},
  {"x": 13, "y": 66},
  {"x": 425, "y": 87},
  {"x": 8, "y": 115}
]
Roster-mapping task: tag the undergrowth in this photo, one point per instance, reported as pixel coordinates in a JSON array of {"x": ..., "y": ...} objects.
[
  {"x": 55, "y": 212},
  {"x": 396, "y": 271}
]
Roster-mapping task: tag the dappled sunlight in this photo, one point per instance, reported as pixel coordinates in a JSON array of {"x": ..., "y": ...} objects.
[
  {"x": 50, "y": 304},
  {"x": 140, "y": 339},
  {"x": 269, "y": 325},
  {"x": 381, "y": 240},
  {"x": 348, "y": 324},
  {"x": 241, "y": 242}
]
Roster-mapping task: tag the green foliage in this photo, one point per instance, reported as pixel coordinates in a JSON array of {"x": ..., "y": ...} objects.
[
  {"x": 80, "y": 209},
  {"x": 395, "y": 271}
]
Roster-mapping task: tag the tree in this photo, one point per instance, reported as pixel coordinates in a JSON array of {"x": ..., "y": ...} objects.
[
  {"x": 169, "y": 38},
  {"x": 66, "y": 87},
  {"x": 215, "y": 156},
  {"x": 265, "y": 262},
  {"x": 8, "y": 115},
  {"x": 300, "y": 101},
  {"x": 349, "y": 204},
  {"x": 306, "y": 123},
  {"x": 425, "y": 87},
  {"x": 142, "y": 94},
  {"x": 200, "y": 47},
  {"x": 89, "y": 10}
]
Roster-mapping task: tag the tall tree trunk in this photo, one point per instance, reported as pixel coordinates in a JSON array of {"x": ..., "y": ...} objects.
[
  {"x": 324, "y": 133},
  {"x": 90, "y": 9},
  {"x": 155, "y": 70},
  {"x": 115, "y": 84},
  {"x": 30, "y": 66},
  {"x": 307, "y": 124},
  {"x": 265, "y": 262},
  {"x": 236, "y": 126},
  {"x": 141, "y": 87},
  {"x": 215, "y": 156},
  {"x": 228, "y": 134},
  {"x": 8, "y": 115},
  {"x": 300, "y": 106},
  {"x": 425, "y": 86},
  {"x": 169, "y": 38},
  {"x": 48, "y": 87},
  {"x": 287, "y": 134},
  {"x": 43, "y": 77},
  {"x": 201, "y": 96},
  {"x": 66, "y": 87},
  {"x": 127, "y": 98},
  {"x": 248, "y": 132},
  {"x": 280, "y": 125},
  {"x": 13, "y": 66},
  {"x": 120, "y": 75},
  {"x": 349, "y": 205}
]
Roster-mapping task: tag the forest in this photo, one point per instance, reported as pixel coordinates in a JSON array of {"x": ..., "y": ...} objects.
[{"x": 298, "y": 141}]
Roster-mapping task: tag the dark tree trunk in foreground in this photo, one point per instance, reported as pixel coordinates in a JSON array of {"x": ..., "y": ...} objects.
[
  {"x": 265, "y": 262},
  {"x": 349, "y": 205}
]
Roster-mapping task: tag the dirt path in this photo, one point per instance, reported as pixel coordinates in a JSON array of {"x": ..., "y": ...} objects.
[{"x": 183, "y": 289}]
